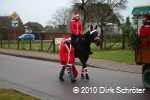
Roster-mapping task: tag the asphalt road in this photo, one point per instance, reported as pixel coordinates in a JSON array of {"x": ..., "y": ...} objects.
[{"x": 40, "y": 78}]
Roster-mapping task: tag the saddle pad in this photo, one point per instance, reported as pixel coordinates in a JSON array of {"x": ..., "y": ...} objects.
[{"x": 75, "y": 72}]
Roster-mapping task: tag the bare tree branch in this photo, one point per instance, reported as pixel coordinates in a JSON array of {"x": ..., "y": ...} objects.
[{"x": 60, "y": 17}]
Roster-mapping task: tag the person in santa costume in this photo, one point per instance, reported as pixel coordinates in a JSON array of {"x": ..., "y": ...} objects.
[
  {"x": 145, "y": 30},
  {"x": 66, "y": 57},
  {"x": 76, "y": 28}
]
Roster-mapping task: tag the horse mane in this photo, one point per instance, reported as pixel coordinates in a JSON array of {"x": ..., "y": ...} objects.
[{"x": 85, "y": 35}]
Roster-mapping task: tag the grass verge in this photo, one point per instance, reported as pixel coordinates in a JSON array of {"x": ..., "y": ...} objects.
[
  {"x": 10, "y": 94},
  {"x": 123, "y": 56}
]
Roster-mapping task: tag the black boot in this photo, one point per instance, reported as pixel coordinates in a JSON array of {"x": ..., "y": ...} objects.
[{"x": 62, "y": 73}]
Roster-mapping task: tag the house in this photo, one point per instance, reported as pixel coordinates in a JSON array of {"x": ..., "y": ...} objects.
[
  {"x": 33, "y": 27},
  {"x": 6, "y": 29},
  {"x": 48, "y": 28},
  {"x": 92, "y": 19},
  {"x": 36, "y": 29}
]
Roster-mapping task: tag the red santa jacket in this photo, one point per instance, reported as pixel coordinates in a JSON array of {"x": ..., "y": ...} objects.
[
  {"x": 66, "y": 54},
  {"x": 145, "y": 29},
  {"x": 76, "y": 27}
]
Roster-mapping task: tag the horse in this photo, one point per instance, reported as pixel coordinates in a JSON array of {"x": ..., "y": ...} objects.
[{"x": 82, "y": 48}]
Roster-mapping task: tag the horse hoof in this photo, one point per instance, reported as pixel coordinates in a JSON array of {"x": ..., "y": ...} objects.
[
  {"x": 87, "y": 78},
  {"x": 82, "y": 76}
]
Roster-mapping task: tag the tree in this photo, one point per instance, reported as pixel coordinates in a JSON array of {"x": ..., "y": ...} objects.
[
  {"x": 108, "y": 11},
  {"x": 82, "y": 9},
  {"x": 128, "y": 21},
  {"x": 103, "y": 11},
  {"x": 127, "y": 24},
  {"x": 60, "y": 17},
  {"x": 130, "y": 34}
]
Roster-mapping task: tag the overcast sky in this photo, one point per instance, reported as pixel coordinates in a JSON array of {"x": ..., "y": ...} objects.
[{"x": 41, "y": 10}]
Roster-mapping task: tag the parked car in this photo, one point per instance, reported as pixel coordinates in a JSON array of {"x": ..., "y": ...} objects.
[{"x": 26, "y": 37}]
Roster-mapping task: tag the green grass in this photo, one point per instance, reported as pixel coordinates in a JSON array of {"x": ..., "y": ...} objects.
[
  {"x": 123, "y": 56},
  {"x": 10, "y": 94},
  {"x": 35, "y": 45},
  {"x": 114, "y": 54}
]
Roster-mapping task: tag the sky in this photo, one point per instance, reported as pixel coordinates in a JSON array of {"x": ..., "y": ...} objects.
[{"x": 41, "y": 10}]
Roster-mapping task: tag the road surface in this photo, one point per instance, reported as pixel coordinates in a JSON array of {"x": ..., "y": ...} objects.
[{"x": 40, "y": 78}]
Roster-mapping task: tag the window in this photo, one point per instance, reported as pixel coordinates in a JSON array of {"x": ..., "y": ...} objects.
[{"x": 135, "y": 21}]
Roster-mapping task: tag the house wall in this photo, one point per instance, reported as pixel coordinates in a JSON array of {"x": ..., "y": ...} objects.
[
  {"x": 50, "y": 36},
  {"x": 9, "y": 34}
]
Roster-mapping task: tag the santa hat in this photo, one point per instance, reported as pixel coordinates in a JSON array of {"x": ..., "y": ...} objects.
[
  {"x": 67, "y": 38},
  {"x": 75, "y": 14},
  {"x": 146, "y": 22}
]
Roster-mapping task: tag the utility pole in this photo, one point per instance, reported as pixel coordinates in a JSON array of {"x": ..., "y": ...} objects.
[{"x": 15, "y": 24}]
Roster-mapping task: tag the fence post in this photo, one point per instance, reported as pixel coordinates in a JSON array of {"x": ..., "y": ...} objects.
[
  {"x": 1, "y": 43},
  {"x": 54, "y": 44},
  {"x": 41, "y": 43},
  {"x": 8, "y": 42},
  {"x": 18, "y": 44},
  {"x": 30, "y": 44}
]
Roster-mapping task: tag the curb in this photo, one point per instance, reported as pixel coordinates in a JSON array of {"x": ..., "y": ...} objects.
[
  {"x": 56, "y": 60},
  {"x": 41, "y": 58}
]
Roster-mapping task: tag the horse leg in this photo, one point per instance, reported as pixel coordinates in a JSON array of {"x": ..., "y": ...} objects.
[
  {"x": 83, "y": 66},
  {"x": 86, "y": 69},
  {"x": 82, "y": 73}
]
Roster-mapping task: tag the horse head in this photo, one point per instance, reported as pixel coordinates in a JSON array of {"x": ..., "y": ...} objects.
[{"x": 94, "y": 36}]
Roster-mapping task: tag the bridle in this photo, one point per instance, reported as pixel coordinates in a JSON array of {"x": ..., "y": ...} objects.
[{"x": 96, "y": 38}]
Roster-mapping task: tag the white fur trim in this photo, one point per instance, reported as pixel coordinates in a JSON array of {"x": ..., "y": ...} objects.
[
  {"x": 93, "y": 31},
  {"x": 146, "y": 25},
  {"x": 76, "y": 15},
  {"x": 62, "y": 65},
  {"x": 69, "y": 64},
  {"x": 68, "y": 39},
  {"x": 148, "y": 21}
]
